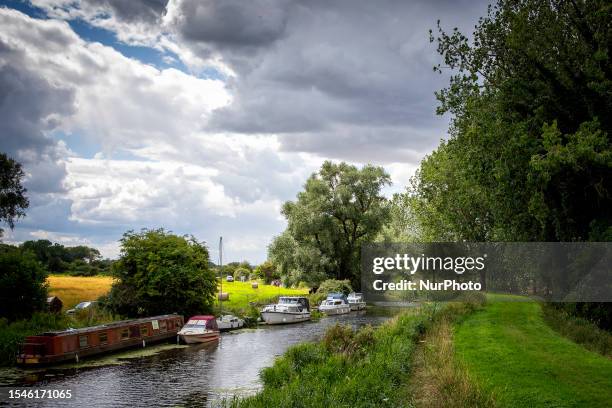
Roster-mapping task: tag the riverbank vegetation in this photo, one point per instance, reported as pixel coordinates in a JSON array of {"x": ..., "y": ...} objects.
[{"x": 369, "y": 367}]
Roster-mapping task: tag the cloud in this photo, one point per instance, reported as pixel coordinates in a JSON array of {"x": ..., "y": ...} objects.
[{"x": 111, "y": 143}]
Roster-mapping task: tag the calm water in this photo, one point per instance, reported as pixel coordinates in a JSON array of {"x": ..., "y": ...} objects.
[{"x": 191, "y": 376}]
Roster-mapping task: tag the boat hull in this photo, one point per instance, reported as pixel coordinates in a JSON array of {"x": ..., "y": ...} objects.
[
  {"x": 284, "y": 317},
  {"x": 344, "y": 309},
  {"x": 357, "y": 306},
  {"x": 200, "y": 338},
  {"x": 81, "y": 354}
]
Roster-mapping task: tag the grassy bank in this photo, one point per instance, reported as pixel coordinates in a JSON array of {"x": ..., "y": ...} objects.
[
  {"x": 579, "y": 330},
  {"x": 367, "y": 368},
  {"x": 513, "y": 355},
  {"x": 242, "y": 293}
]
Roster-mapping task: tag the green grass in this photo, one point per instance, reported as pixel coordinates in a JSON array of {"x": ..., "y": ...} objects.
[
  {"x": 513, "y": 354},
  {"x": 367, "y": 368},
  {"x": 346, "y": 369},
  {"x": 241, "y": 294}
]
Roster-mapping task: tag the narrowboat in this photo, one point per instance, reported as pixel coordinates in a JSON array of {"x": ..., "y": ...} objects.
[
  {"x": 200, "y": 329},
  {"x": 75, "y": 344},
  {"x": 289, "y": 309}
]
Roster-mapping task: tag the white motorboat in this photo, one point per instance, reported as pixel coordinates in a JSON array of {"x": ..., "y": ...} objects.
[
  {"x": 289, "y": 309},
  {"x": 332, "y": 306},
  {"x": 229, "y": 322},
  {"x": 200, "y": 329},
  {"x": 356, "y": 301}
]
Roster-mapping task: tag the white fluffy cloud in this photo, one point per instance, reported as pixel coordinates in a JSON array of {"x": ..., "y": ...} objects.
[{"x": 111, "y": 143}]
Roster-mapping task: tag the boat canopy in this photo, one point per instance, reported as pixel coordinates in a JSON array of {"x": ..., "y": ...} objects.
[
  {"x": 336, "y": 296},
  {"x": 210, "y": 322},
  {"x": 295, "y": 300}
]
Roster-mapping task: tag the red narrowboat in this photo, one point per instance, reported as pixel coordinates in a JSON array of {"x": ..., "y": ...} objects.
[{"x": 75, "y": 344}]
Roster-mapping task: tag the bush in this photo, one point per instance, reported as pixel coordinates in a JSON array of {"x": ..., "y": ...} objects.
[
  {"x": 23, "y": 290},
  {"x": 331, "y": 286},
  {"x": 159, "y": 273}
]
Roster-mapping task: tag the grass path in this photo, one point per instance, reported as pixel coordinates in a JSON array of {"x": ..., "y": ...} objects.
[{"x": 511, "y": 353}]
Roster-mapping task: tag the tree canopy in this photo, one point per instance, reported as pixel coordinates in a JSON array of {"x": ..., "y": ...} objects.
[
  {"x": 23, "y": 288},
  {"x": 529, "y": 155},
  {"x": 340, "y": 208},
  {"x": 159, "y": 272},
  {"x": 13, "y": 201}
]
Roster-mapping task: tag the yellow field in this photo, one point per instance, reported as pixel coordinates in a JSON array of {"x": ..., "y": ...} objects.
[{"x": 74, "y": 289}]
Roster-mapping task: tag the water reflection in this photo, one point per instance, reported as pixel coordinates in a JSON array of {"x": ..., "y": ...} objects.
[{"x": 190, "y": 376}]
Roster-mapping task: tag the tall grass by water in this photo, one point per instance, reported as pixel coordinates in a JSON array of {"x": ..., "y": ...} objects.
[{"x": 366, "y": 368}]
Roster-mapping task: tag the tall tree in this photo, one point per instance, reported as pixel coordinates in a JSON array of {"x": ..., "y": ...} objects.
[
  {"x": 529, "y": 157},
  {"x": 340, "y": 208},
  {"x": 159, "y": 272},
  {"x": 13, "y": 201}
]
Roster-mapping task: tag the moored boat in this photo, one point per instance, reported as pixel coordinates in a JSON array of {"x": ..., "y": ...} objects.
[
  {"x": 75, "y": 344},
  {"x": 229, "y": 322},
  {"x": 289, "y": 309},
  {"x": 200, "y": 329},
  {"x": 356, "y": 301},
  {"x": 335, "y": 304}
]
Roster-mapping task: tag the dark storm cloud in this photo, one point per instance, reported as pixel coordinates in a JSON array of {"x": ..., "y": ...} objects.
[
  {"x": 29, "y": 106},
  {"x": 133, "y": 10},
  {"x": 232, "y": 23},
  {"x": 338, "y": 79}
]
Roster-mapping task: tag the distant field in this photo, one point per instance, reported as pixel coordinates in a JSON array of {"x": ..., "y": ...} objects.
[
  {"x": 74, "y": 289},
  {"x": 241, "y": 293}
]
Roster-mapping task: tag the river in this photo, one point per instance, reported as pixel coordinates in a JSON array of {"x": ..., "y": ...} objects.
[{"x": 200, "y": 375}]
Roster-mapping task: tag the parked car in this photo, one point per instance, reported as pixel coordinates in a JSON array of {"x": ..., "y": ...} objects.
[
  {"x": 229, "y": 278},
  {"x": 82, "y": 306}
]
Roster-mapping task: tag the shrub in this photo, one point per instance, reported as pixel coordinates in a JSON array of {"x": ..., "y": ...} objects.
[{"x": 23, "y": 290}]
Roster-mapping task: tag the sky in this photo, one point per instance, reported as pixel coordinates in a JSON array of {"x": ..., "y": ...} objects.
[{"x": 203, "y": 117}]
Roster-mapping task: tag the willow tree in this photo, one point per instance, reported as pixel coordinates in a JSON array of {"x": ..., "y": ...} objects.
[{"x": 340, "y": 208}]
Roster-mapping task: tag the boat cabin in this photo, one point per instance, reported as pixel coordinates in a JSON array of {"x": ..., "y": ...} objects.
[
  {"x": 300, "y": 302},
  {"x": 205, "y": 322},
  {"x": 73, "y": 344}
]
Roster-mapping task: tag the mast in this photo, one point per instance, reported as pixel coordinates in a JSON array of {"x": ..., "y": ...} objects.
[{"x": 221, "y": 276}]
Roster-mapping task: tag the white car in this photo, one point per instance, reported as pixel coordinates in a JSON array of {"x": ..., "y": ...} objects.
[
  {"x": 229, "y": 278},
  {"x": 82, "y": 306}
]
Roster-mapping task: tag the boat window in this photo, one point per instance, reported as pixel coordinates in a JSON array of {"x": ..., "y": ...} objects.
[
  {"x": 162, "y": 325},
  {"x": 144, "y": 330},
  {"x": 125, "y": 334},
  {"x": 170, "y": 324},
  {"x": 82, "y": 341},
  {"x": 103, "y": 337},
  {"x": 134, "y": 331}
]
